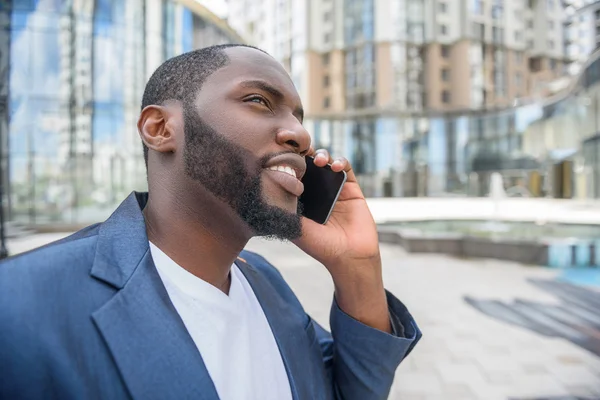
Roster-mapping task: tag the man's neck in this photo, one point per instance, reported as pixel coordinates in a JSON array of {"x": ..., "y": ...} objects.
[{"x": 205, "y": 240}]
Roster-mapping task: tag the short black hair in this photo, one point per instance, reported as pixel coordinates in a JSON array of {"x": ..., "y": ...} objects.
[{"x": 180, "y": 77}]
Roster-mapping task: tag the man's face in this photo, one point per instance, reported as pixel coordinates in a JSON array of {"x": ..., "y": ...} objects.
[{"x": 245, "y": 143}]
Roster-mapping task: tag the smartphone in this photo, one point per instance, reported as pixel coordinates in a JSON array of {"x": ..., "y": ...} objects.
[{"x": 322, "y": 187}]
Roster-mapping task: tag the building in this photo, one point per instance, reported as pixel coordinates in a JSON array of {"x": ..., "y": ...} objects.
[
  {"x": 424, "y": 97},
  {"x": 582, "y": 31},
  {"x": 72, "y": 95},
  {"x": 409, "y": 55},
  {"x": 566, "y": 137}
]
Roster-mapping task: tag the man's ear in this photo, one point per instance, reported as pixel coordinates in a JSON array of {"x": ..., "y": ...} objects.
[{"x": 156, "y": 127}]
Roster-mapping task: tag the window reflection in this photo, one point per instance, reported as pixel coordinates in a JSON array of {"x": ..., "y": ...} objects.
[{"x": 78, "y": 71}]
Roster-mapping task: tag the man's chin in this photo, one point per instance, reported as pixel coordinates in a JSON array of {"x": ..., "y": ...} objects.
[{"x": 276, "y": 223}]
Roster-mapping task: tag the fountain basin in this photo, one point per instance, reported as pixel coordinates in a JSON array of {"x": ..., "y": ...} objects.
[{"x": 554, "y": 245}]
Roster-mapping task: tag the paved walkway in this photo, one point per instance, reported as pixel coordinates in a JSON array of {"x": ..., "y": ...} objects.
[{"x": 465, "y": 353}]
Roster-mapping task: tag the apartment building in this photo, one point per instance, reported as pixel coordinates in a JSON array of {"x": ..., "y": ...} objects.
[
  {"x": 415, "y": 92},
  {"x": 582, "y": 32},
  {"x": 351, "y": 57}
]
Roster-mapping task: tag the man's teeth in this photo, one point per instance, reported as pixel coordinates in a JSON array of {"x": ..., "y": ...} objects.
[{"x": 288, "y": 170}]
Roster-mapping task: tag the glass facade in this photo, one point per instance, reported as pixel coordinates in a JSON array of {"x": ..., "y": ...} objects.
[
  {"x": 541, "y": 149},
  {"x": 360, "y": 67},
  {"x": 569, "y": 129},
  {"x": 424, "y": 155},
  {"x": 76, "y": 78}
]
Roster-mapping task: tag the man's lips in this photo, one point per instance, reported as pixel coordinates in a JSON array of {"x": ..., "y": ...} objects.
[
  {"x": 287, "y": 170},
  {"x": 287, "y": 182},
  {"x": 291, "y": 160}
]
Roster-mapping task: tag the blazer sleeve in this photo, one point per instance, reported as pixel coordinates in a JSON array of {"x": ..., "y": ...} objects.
[{"x": 361, "y": 361}]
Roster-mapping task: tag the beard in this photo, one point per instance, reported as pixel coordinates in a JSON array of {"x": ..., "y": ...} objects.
[{"x": 219, "y": 166}]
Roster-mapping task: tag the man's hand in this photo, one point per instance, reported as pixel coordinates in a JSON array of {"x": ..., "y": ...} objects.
[{"x": 348, "y": 247}]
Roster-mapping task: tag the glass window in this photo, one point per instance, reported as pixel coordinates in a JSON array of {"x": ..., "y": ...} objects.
[
  {"x": 445, "y": 74},
  {"x": 478, "y": 30},
  {"x": 445, "y": 96},
  {"x": 443, "y": 7},
  {"x": 445, "y": 51},
  {"x": 497, "y": 10},
  {"x": 497, "y": 34},
  {"x": 443, "y": 29},
  {"x": 499, "y": 84},
  {"x": 519, "y": 57}
]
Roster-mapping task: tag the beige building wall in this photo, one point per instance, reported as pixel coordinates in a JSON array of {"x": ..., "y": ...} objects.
[
  {"x": 433, "y": 81},
  {"x": 385, "y": 76},
  {"x": 316, "y": 90},
  {"x": 539, "y": 78},
  {"x": 517, "y": 74},
  {"x": 460, "y": 75},
  {"x": 338, "y": 81},
  {"x": 325, "y": 83}
]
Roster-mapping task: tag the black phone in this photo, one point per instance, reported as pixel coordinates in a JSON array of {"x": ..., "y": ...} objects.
[{"x": 322, "y": 187}]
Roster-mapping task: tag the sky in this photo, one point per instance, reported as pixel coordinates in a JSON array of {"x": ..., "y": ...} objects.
[{"x": 218, "y": 7}]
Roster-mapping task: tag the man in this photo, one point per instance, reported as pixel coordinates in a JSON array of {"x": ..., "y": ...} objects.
[{"x": 161, "y": 302}]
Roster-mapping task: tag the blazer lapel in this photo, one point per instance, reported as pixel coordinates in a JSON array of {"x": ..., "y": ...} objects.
[
  {"x": 288, "y": 330},
  {"x": 151, "y": 347}
]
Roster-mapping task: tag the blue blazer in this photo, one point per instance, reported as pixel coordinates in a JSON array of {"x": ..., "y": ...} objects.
[{"x": 88, "y": 317}]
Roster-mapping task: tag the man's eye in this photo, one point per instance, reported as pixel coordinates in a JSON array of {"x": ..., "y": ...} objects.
[{"x": 259, "y": 100}]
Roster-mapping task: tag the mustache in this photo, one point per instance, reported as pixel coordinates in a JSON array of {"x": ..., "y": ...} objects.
[{"x": 262, "y": 162}]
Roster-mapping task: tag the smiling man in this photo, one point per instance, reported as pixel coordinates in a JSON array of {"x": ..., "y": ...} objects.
[{"x": 161, "y": 301}]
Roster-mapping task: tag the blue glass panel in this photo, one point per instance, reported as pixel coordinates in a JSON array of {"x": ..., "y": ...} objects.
[{"x": 187, "y": 26}]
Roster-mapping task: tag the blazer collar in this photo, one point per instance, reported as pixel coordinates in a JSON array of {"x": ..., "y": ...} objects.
[
  {"x": 145, "y": 335},
  {"x": 122, "y": 242}
]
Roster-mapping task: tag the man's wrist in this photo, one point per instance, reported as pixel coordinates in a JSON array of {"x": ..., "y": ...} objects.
[{"x": 360, "y": 293}]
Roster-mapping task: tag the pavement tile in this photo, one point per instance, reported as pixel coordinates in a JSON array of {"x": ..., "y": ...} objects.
[
  {"x": 459, "y": 373},
  {"x": 574, "y": 375},
  {"x": 457, "y": 390},
  {"x": 538, "y": 386},
  {"x": 412, "y": 383},
  {"x": 499, "y": 363},
  {"x": 500, "y": 377},
  {"x": 532, "y": 369},
  {"x": 585, "y": 391}
]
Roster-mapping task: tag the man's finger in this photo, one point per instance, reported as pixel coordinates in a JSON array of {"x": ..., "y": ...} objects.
[
  {"x": 322, "y": 158},
  {"x": 340, "y": 164}
]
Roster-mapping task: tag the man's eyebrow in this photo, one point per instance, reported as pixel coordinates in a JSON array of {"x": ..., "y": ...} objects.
[
  {"x": 262, "y": 85},
  {"x": 273, "y": 91}
]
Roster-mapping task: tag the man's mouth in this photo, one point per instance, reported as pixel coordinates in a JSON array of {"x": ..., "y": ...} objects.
[
  {"x": 287, "y": 178},
  {"x": 285, "y": 169}
]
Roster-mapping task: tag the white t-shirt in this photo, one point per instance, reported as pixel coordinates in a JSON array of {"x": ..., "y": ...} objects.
[{"x": 231, "y": 332}]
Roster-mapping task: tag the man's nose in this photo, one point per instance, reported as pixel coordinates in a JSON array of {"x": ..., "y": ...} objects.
[{"x": 296, "y": 138}]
